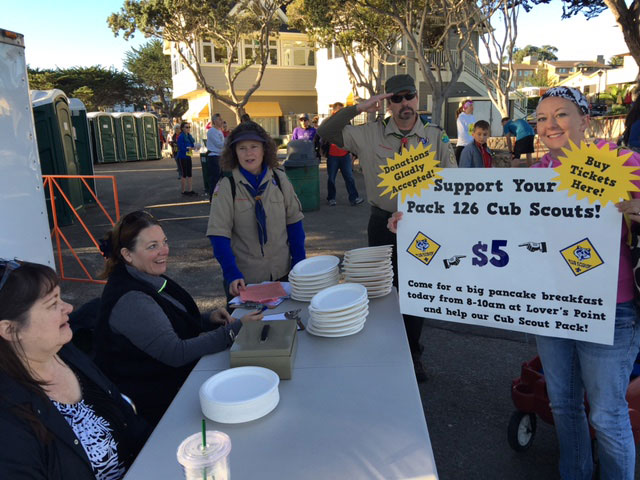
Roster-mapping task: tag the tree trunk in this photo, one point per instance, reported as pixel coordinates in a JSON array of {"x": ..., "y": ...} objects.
[{"x": 627, "y": 18}]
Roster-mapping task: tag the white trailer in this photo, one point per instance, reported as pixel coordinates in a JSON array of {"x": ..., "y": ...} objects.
[{"x": 24, "y": 225}]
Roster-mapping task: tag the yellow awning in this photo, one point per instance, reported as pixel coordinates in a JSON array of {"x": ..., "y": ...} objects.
[
  {"x": 198, "y": 108},
  {"x": 263, "y": 109}
]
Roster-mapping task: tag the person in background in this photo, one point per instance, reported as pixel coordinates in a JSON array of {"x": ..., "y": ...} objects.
[
  {"x": 340, "y": 159},
  {"x": 464, "y": 123},
  {"x": 376, "y": 142},
  {"x": 631, "y": 136},
  {"x": 573, "y": 367},
  {"x": 150, "y": 331},
  {"x": 477, "y": 154},
  {"x": 255, "y": 221},
  {"x": 60, "y": 417},
  {"x": 186, "y": 145},
  {"x": 225, "y": 129},
  {"x": 524, "y": 136},
  {"x": 173, "y": 143},
  {"x": 305, "y": 131},
  {"x": 215, "y": 143},
  {"x": 245, "y": 117}
]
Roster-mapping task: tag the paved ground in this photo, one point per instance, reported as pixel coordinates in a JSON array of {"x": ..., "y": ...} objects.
[{"x": 466, "y": 401}]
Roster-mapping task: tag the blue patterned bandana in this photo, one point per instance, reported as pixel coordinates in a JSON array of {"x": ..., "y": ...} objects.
[{"x": 572, "y": 94}]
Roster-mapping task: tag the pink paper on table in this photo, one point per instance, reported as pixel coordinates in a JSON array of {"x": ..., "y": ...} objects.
[{"x": 262, "y": 292}]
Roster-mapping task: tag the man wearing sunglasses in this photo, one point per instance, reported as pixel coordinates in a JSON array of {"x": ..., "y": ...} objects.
[{"x": 374, "y": 143}]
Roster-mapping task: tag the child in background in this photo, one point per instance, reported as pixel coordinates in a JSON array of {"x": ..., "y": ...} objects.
[{"x": 477, "y": 154}]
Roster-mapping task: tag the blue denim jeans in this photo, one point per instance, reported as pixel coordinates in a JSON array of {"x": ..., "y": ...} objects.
[
  {"x": 570, "y": 368},
  {"x": 344, "y": 164}
]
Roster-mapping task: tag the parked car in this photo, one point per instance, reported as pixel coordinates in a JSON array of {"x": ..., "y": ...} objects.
[{"x": 598, "y": 109}]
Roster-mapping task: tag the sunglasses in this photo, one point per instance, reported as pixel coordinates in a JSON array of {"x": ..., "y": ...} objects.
[
  {"x": 398, "y": 98},
  {"x": 9, "y": 266}
]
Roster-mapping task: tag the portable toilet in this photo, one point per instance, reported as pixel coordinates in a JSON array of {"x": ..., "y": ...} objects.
[
  {"x": 148, "y": 136},
  {"x": 103, "y": 137},
  {"x": 83, "y": 145},
  {"x": 126, "y": 136},
  {"x": 57, "y": 150}
]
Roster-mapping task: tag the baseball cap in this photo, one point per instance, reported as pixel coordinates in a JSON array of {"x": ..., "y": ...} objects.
[
  {"x": 304, "y": 116},
  {"x": 247, "y": 135},
  {"x": 400, "y": 83}
]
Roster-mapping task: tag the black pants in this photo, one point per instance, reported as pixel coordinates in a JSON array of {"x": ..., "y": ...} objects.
[
  {"x": 458, "y": 153},
  {"x": 213, "y": 172},
  {"x": 379, "y": 234}
]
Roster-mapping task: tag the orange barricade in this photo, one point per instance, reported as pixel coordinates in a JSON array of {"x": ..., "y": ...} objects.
[{"x": 51, "y": 182}]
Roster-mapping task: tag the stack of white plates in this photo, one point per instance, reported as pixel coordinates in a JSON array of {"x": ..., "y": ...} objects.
[
  {"x": 240, "y": 394},
  {"x": 338, "y": 311},
  {"x": 313, "y": 274},
  {"x": 371, "y": 267}
]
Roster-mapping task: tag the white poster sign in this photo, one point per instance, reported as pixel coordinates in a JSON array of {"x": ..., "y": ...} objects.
[{"x": 504, "y": 248}]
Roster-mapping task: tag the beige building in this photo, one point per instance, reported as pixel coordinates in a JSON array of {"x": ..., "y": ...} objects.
[{"x": 287, "y": 88}]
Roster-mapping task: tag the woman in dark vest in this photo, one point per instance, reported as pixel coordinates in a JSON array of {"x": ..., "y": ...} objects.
[
  {"x": 150, "y": 331},
  {"x": 60, "y": 417}
]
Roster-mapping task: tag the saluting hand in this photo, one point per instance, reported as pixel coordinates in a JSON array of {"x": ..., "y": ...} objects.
[{"x": 373, "y": 104}]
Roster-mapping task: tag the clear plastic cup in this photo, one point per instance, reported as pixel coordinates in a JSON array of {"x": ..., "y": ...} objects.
[{"x": 208, "y": 463}]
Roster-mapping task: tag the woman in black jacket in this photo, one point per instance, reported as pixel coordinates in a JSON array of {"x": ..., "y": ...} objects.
[
  {"x": 60, "y": 417},
  {"x": 150, "y": 331}
]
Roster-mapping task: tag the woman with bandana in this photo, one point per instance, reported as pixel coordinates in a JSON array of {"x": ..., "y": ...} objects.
[
  {"x": 255, "y": 222},
  {"x": 573, "y": 367}
]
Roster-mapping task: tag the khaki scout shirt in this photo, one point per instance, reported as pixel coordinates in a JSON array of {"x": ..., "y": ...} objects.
[
  {"x": 377, "y": 141},
  {"x": 236, "y": 219}
]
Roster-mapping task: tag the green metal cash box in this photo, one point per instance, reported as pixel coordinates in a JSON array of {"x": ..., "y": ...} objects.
[{"x": 276, "y": 352}]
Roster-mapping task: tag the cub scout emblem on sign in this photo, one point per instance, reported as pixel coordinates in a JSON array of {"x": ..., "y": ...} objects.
[
  {"x": 423, "y": 248},
  {"x": 581, "y": 257}
]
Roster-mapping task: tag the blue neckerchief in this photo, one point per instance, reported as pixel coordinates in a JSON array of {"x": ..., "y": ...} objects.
[{"x": 256, "y": 192}]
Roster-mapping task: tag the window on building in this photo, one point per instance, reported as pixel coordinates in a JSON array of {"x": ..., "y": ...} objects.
[
  {"x": 251, "y": 48},
  {"x": 211, "y": 53},
  {"x": 297, "y": 53}
]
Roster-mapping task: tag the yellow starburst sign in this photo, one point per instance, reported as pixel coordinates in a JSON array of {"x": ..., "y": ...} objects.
[
  {"x": 409, "y": 172},
  {"x": 596, "y": 173}
]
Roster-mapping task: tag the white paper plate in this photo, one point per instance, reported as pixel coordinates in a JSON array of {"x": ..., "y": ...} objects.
[
  {"x": 344, "y": 327},
  {"x": 335, "y": 316},
  {"x": 367, "y": 263},
  {"x": 339, "y": 297},
  {"x": 357, "y": 277},
  {"x": 370, "y": 282},
  {"x": 371, "y": 249},
  {"x": 339, "y": 321},
  {"x": 310, "y": 278},
  {"x": 318, "y": 333},
  {"x": 240, "y": 394},
  {"x": 319, "y": 285},
  {"x": 301, "y": 298},
  {"x": 315, "y": 266},
  {"x": 379, "y": 295}
]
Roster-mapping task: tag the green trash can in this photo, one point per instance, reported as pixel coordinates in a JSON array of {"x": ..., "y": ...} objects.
[
  {"x": 57, "y": 151},
  {"x": 303, "y": 169},
  {"x": 83, "y": 146},
  {"x": 103, "y": 137}
]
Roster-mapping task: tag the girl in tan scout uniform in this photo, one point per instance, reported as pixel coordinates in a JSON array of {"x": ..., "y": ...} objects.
[{"x": 255, "y": 223}]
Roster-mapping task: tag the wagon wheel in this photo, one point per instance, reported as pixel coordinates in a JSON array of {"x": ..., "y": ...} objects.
[{"x": 521, "y": 431}]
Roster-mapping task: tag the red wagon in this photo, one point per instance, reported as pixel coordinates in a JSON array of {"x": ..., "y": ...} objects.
[{"x": 529, "y": 396}]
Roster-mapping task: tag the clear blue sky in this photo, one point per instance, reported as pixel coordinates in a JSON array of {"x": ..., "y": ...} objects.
[{"x": 67, "y": 33}]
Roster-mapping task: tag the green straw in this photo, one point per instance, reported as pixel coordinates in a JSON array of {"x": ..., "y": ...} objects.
[{"x": 204, "y": 446}]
